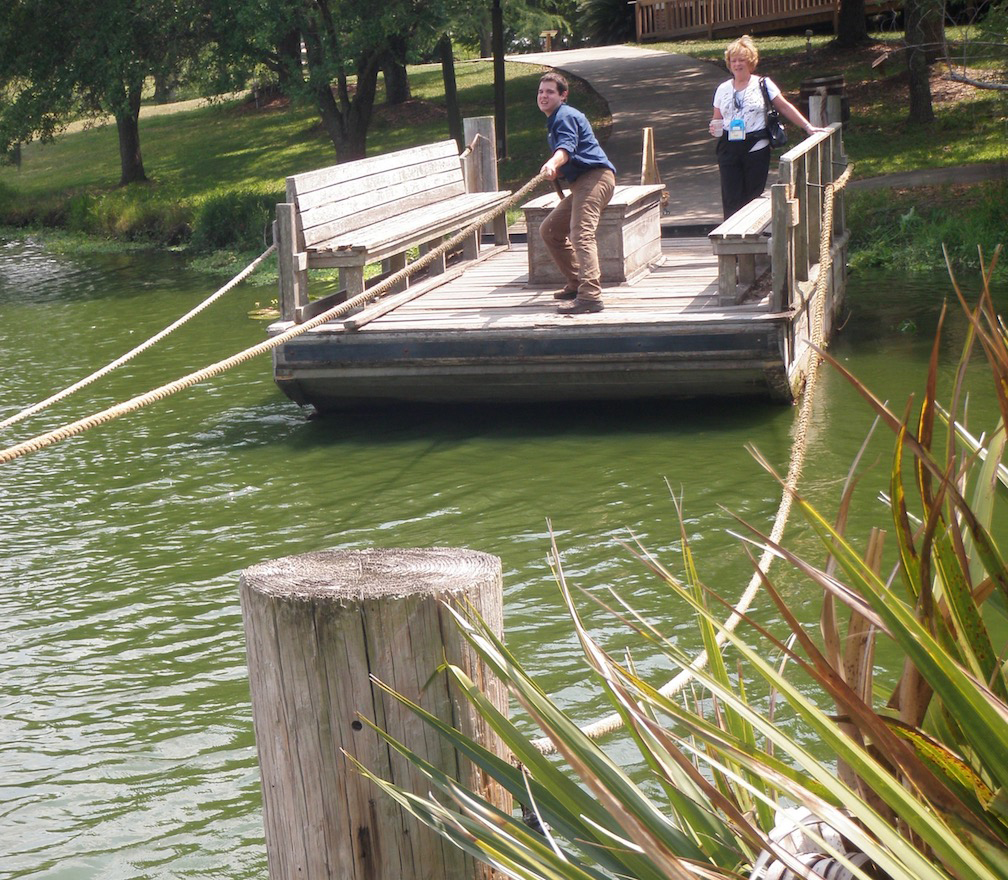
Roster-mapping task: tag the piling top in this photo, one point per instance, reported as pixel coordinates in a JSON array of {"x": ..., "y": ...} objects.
[{"x": 377, "y": 573}]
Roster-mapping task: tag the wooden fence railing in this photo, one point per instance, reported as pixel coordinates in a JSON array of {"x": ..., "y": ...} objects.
[
  {"x": 797, "y": 200},
  {"x": 669, "y": 19}
]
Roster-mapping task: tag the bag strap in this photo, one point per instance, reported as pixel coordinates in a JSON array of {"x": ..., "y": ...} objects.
[{"x": 766, "y": 95}]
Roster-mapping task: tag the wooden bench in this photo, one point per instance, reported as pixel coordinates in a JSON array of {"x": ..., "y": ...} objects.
[
  {"x": 736, "y": 243},
  {"x": 375, "y": 209},
  {"x": 628, "y": 236}
]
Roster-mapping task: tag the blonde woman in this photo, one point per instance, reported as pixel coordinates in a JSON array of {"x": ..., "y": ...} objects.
[{"x": 739, "y": 122}]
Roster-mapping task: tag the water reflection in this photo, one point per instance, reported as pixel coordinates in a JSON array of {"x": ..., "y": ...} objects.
[{"x": 125, "y": 733}]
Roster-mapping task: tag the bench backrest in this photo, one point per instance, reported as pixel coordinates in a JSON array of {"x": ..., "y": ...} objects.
[{"x": 335, "y": 200}]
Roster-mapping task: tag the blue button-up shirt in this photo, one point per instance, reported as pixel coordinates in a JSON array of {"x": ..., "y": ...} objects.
[{"x": 569, "y": 130}]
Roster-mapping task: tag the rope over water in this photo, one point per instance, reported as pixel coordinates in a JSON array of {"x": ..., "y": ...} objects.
[
  {"x": 143, "y": 346},
  {"x": 796, "y": 462},
  {"x": 120, "y": 409}
]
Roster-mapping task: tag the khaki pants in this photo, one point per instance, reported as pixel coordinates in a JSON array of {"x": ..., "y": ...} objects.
[{"x": 569, "y": 231}]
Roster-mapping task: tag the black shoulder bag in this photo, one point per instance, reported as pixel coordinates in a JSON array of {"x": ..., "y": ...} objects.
[{"x": 775, "y": 128}]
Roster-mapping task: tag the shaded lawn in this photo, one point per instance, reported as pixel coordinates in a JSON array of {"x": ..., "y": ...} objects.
[{"x": 233, "y": 145}]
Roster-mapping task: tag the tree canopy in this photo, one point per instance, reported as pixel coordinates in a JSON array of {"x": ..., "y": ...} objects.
[{"x": 87, "y": 58}]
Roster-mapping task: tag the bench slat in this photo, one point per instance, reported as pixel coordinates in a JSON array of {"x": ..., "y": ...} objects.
[
  {"x": 309, "y": 181},
  {"x": 378, "y": 240},
  {"x": 747, "y": 221},
  {"x": 446, "y": 169},
  {"x": 360, "y": 214},
  {"x": 366, "y": 207}
]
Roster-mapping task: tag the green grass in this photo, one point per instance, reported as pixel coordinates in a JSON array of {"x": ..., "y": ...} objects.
[{"x": 907, "y": 229}]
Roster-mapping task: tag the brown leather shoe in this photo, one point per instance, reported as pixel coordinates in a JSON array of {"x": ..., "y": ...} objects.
[
  {"x": 581, "y": 307},
  {"x": 566, "y": 293}
]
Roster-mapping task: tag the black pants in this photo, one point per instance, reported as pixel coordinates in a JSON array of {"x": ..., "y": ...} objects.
[{"x": 743, "y": 174}]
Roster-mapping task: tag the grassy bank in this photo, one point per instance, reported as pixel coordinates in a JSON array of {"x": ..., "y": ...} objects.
[{"x": 217, "y": 171}]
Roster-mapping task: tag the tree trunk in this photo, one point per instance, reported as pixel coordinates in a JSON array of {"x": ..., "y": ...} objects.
[
  {"x": 500, "y": 97},
  {"x": 486, "y": 43},
  {"x": 852, "y": 24},
  {"x": 397, "y": 86},
  {"x": 128, "y": 127},
  {"x": 362, "y": 106},
  {"x": 332, "y": 120},
  {"x": 288, "y": 53},
  {"x": 921, "y": 109},
  {"x": 164, "y": 87},
  {"x": 346, "y": 121},
  {"x": 450, "y": 90},
  {"x": 933, "y": 30}
]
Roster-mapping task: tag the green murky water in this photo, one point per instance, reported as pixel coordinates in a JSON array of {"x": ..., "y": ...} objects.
[{"x": 126, "y": 746}]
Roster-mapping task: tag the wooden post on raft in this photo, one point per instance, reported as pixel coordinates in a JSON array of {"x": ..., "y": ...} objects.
[
  {"x": 649, "y": 166},
  {"x": 317, "y": 627},
  {"x": 479, "y": 167}
]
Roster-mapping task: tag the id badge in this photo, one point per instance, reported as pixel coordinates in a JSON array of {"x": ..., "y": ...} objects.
[{"x": 736, "y": 130}]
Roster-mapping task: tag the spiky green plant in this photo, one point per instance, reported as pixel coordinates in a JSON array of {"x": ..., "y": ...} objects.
[{"x": 915, "y": 788}]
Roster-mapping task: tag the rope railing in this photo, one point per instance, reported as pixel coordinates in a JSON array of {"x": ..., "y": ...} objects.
[
  {"x": 796, "y": 462},
  {"x": 157, "y": 337},
  {"x": 143, "y": 346},
  {"x": 120, "y": 409}
]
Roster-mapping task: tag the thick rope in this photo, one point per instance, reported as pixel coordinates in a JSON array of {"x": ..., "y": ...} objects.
[
  {"x": 157, "y": 337},
  {"x": 613, "y": 722},
  {"x": 121, "y": 409}
]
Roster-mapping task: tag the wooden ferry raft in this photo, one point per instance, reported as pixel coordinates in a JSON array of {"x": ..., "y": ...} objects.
[{"x": 725, "y": 315}]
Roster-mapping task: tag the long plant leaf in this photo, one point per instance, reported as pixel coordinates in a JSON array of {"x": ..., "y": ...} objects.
[
  {"x": 921, "y": 819},
  {"x": 970, "y": 701}
]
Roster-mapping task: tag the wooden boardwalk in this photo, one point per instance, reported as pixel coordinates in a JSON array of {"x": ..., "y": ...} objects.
[
  {"x": 486, "y": 334},
  {"x": 726, "y": 315},
  {"x": 675, "y": 19}
]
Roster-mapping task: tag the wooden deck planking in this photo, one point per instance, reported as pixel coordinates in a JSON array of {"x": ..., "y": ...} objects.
[{"x": 683, "y": 287}]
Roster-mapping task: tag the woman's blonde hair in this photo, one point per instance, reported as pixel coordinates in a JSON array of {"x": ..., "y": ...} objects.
[{"x": 744, "y": 47}]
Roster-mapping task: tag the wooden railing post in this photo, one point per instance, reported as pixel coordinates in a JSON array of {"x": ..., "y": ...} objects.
[
  {"x": 838, "y": 162},
  {"x": 291, "y": 275},
  {"x": 800, "y": 254},
  {"x": 480, "y": 166},
  {"x": 814, "y": 184},
  {"x": 780, "y": 233},
  {"x": 318, "y": 626}
]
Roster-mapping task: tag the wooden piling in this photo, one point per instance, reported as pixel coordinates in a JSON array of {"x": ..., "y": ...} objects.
[
  {"x": 317, "y": 627},
  {"x": 480, "y": 166}
]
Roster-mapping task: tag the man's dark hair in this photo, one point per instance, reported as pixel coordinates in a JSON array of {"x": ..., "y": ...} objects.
[{"x": 558, "y": 78}]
